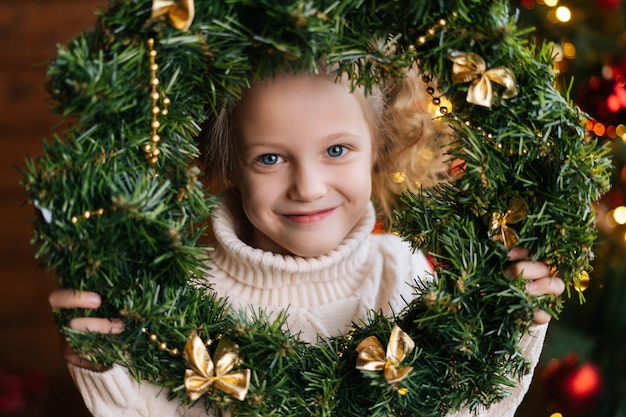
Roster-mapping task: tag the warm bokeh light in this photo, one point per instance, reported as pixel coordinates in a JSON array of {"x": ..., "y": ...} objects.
[
  {"x": 611, "y": 132},
  {"x": 599, "y": 129},
  {"x": 613, "y": 104},
  {"x": 569, "y": 49},
  {"x": 619, "y": 214},
  {"x": 552, "y": 17},
  {"x": 551, "y": 3},
  {"x": 563, "y": 14},
  {"x": 585, "y": 381},
  {"x": 620, "y": 130},
  {"x": 556, "y": 415},
  {"x": 607, "y": 72}
]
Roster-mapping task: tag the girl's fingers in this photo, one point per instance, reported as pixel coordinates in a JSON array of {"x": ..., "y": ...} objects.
[
  {"x": 546, "y": 286},
  {"x": 74, "y": 299},
  {"x": 541, "y": 317},
  {"x": 65, "y": 298},
  {"x": 518, "y": 253},
  {"x": 68, "y": 299},
  {"x": 74, "y": 359},
  {"x": 539, "y": 279},
  {"x": 97, "y": 325},
  {"x": 529, "y": 270}
]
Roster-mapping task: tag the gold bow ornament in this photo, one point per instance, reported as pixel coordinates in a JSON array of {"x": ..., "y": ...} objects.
[
  {"x": 204, "y": 375},
  {"x": 499, "y": 224},
  {"x": 179, "y": 13},
  {"x": 372, "y": 357},
  {"x": 468, "y": 66}
]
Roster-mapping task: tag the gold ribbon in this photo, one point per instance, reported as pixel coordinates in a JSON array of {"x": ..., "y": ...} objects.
[
  {"x": 499, "y": 223},
  {"x": 179, "y": 13},
  {"x": 372, "y": 357},
  {"x": 204, "y": 375},
  {"x": 467, "y": 66}
]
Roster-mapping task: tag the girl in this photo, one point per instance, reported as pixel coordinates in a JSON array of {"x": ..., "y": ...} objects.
[{"x": 303, "y": 164}]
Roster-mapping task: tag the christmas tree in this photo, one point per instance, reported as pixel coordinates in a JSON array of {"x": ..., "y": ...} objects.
[{"x": 584, "y": 362}]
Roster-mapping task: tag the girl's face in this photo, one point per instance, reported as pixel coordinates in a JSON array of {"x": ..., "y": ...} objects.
[{"x": 305, "y": 163}]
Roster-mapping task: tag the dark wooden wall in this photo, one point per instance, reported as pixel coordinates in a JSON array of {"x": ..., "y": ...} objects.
[{"x": 29, "y": 33}]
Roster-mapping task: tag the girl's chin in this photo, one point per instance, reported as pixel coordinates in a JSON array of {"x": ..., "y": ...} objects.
[{"x": 312, "y": 251}]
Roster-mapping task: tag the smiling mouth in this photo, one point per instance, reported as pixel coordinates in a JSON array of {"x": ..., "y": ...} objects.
[{"x": 309, "y": 218}]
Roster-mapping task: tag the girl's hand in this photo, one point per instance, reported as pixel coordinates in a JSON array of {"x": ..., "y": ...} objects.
[
  {"x": 539, "y": 279},
  {"x": 64, "y": 298}
]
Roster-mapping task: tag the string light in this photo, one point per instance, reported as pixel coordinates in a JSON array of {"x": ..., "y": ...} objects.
[
  {"x": 619, "y": 215},
  {"x": 599, "y": 129},
  {"x": 563, "y": 14},
  {"x": 620, "y": 131},
  {"x": 569, "y": 50},
  {"x": 610, "y": 131}
]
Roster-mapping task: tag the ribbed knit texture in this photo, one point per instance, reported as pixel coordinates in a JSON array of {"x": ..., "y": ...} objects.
[
  {"x": 323, "y": 294},
  {"x": 266, "y": 279}
]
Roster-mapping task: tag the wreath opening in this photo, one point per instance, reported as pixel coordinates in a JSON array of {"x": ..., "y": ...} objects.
[{"x": 122, "y": 210}]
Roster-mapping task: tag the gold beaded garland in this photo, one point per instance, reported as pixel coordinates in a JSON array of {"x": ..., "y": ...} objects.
[
  {"x": 152, "y": 337},
  {"x": 431, "y": 31},
  {"x": 152, "y": 150},
  {"x": 87, "y": 214}
]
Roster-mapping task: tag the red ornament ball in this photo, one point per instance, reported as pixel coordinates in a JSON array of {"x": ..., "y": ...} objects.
[{"x": 574, "y": 388}]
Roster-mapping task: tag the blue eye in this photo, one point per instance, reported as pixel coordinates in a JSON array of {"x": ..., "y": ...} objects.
[
  {"x": 269, "y": 159},
  {"x": 336, "y": 151}
]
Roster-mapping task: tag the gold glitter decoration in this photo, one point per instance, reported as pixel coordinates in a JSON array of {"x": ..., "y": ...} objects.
[
  {"x": 468, "y": 66},
  {"x": 180, "y": 14},
  {"x": 581, "y": 282},
  {"x": 372, "y": 356},
  {"x": 205, "y": 375},
  {"x": 499, "y": 225}
]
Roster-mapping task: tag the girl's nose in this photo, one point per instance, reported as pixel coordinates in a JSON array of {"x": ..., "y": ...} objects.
[{"x": 308, "y": 184}]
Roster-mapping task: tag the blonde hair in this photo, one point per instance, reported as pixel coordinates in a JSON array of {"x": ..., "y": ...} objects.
[
  {"x": 413, "y": 152},
  {"x": 408, "y": 144}
]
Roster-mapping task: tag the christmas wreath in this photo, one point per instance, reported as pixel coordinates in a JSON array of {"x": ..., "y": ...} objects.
[{"x": 122, "y": 212}]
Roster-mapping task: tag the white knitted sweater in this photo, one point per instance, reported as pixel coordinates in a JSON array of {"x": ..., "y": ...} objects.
[{"x": 323, "y": 295}]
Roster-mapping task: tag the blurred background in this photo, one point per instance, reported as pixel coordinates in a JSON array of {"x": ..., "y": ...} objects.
[{"x": 583, "y": 367}]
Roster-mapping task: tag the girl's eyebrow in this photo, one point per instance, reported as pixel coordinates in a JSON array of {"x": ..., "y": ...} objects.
[
  {"x": 344, "y": 134},
  {"x": 277, "y": 143}
]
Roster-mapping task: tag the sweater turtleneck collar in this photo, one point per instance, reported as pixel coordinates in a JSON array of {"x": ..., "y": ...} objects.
[{"x": 275, "y": 279}]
